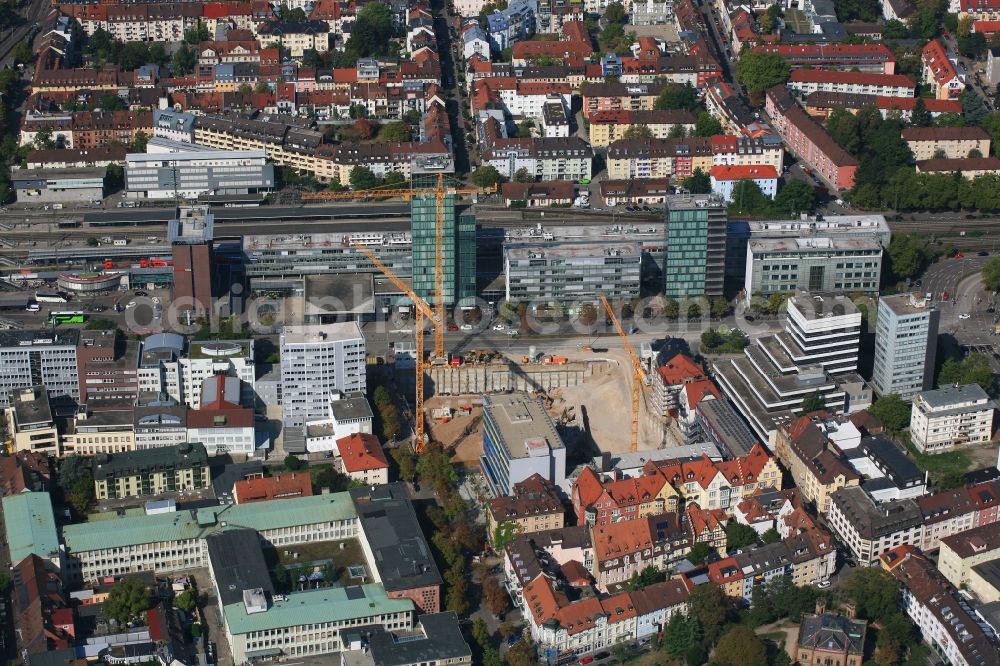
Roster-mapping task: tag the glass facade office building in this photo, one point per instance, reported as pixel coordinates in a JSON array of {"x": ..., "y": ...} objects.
[
  {"x": 459, "y": 258},
  {"x": 695, "y": 260}
]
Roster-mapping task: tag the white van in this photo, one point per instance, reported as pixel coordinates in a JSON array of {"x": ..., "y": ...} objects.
[{"x": 32, "y": 307}]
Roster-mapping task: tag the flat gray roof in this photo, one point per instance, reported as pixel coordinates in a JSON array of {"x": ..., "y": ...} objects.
[
  {"x": 950, "y": 395},
  {"x": 238, "y": 564},
  {"x": 521, "y": 419}
]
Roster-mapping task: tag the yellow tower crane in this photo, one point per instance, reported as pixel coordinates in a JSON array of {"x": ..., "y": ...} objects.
[
  {"x": 423, "y": 310},
  {"x": 439, "y": 192},
  {"x": 639, "y": 376}
]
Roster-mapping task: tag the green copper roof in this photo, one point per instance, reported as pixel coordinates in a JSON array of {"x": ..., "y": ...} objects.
[
  {"x": 332, "y": 604},
  {"x": 31, "y": 528},
  {"x": 183, "y": 525}
]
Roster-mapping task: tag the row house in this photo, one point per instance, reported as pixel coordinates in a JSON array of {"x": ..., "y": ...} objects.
[
  {"x": 642, "y": 192},
  {"x": 743, "y": 151},
  {"x": 381, "y": 158},
  {"x": 760, "y": 565},
  {"x": 554, "y": 552},
  {"x": 238, "y": 15},
  {"x": 724, "y": 573},
  {"x": 106, "y": 79},
  {"x": 813, "y": 461},
  {"x": 518, "y": 98},
  {"x": 572, "y": 629},
  {"x": 626, "y": 548},
  {"x": 941, "y": 71},
  {"x": 331, "y": 13},
  {"x": 297, "y": 36},
  {"x": 138, "y": 22},
  {"x": 820, "y": 104},
  {"x": 215, "y": 53},
  {"x": 666, "y": 485},
  {"x": 864, "y": 57},
  {"x": 609, "y": 126},
  {"x": 573, "y": 47},
  {"x": 809, "y": 140},
  {"x": 729, "y": 107},
  {"x": 628, "y": 159},
  {"x": 533, "y": 506},
  {"x": 389, "y": 102},
  {"x": 286, "y": 144},
  {"x": 869, "y": 529},
  {"x": 949, "y": 512},
  {"x": 479, "y": 69},
  {"x": 944, "y": 619},
  {"x": 90, "y": 129},
  {"x": 970, "y": 167},
  {"x": 805, "y": 81},
  {"x": 766, "y": 509},
  {"x": 548, "y": 158},
  {"x": 615, "y": 96},
  {"x": 980, "y": 10},
  {"x": 706, "y": 526}
]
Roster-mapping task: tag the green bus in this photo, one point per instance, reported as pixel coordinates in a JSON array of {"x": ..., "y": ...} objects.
[{"x": 67, "y": 317}]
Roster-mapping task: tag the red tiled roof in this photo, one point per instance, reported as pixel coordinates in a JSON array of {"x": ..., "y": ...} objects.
[
  {"x": 743, "y": 172},
  {"x": 264, "y": 488},
  {"x": 936, "y": 59},
  {"x": 697, "y": 390},
  {"x": 361, "y": 452},
  {"x": 623, "y": 538},
  {"x": 680, "y": 369},
  {"x": 860, "y": 78}
]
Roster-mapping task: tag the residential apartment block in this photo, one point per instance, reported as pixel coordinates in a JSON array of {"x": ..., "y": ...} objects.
[
  {"x": 806, "y": 81},
  {"x": 868, "y": 529},
  {"x": 533, "y": 506},
  {"x": 951, "y": 417},
  {"x": 948, "y": 142},
  {"x": 151, "y": 472},
  {"x": 607, "y": 127}
]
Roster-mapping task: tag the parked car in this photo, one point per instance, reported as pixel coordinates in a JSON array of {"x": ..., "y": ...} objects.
[
  {"x": 466, "y": 327},
  {"x": 498, "y": 327},
  {"x": 452, "y": 327}
]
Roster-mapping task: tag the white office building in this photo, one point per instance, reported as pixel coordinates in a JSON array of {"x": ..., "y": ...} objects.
[
  {"x": 42, "y": 357},
  {"x": 196, "y": 172},
  {"x": 905, "y": 345},
  {"x": 951, "y": 417},
  {"x": 315, "y": 361},
  {"x": 346, "y": 415},
  {"x": 169, "y": 368}
]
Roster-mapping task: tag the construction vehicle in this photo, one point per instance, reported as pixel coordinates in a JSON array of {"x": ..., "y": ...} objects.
[
  {"x": 639, "y": 377},
  {"x": 439, "y": 192}
]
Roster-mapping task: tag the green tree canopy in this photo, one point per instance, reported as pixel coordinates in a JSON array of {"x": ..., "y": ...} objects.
[
  {"x": 707, "y": 125},
  {"x": 184, "y": 60},
  {"x": 128, "y": 598},
  {"x": 991, "y": 274},
  {"x": 739, "y": 646},
  {"x": 699, "y": 552},
  {"x": 874, "y": 592},
  {"x": 812, "y": 402},
  {"x": 615, "y": 13},
  {"x": 760, "y": 70},
  {"x": 739, "y": 535},
  {"x": 920, "y": 116},
  {"x": 487, "y": 176},
  {"x": 711, "y": 607},
  {"x": 907, "y": 256},
  {"x": 748, "y": 199},
  {"x": 362, "y": 178},
  {"x": 371, "y": 32},
  {"x": 677, "y": 96},
  {"x": 393, "y": 132},
  {"x": 973, "y": 369},
  {"x": 795, "y": 196},
  {"x": 892, "y": 411},
  {"x": 698, "y": 182}
]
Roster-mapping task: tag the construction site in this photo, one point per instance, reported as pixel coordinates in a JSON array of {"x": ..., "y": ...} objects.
[{"x": 588, "y": 397}]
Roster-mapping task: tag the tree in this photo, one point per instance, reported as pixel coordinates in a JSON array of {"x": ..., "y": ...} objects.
[
  {"x": 843, "y": 127},
  {"x": 494, "y": 596},
  {"x": 760, "y": 70},
  {"x": 140, "y": 142},
  {"x": 487, "y": 176},
  {"x": 43, "y": 139},
  {"x": 393, "y": 132},
  {"x": 974, "y": 369},
  {"x": 127, "y": 600},
  {"x": 991, "y": 274},
  {"x": 677, "y": 96},
  {"x": 522, "y": 653},
  {"x": 187, "y": 600},
  {"x": 292, "y": 463},
  {"x": 648, "y": 576},
  {"x": 892, "y": 411},
  {"x": 697, "y": 183},
  {"x": 739, "y": 535},
  {"x": 364, "y": 128},
  {"x": 371, "y": 33},
  {"x": 614, "y": 39},
  {"x": 973, "y": 106},
  {"x": 874, "y": 592},
  {"x": 615, "y": 13},
  {"x": 973, "y": 45},
  {"x": 158, "y": 54},
  {"x": 711, "y": 607},
  {"x": 523, "y": 176},
  {"x": 748, "y": 199},
  {"x": 950, "y": 119},
  {"x": 362, "y": 178},
  {"x": 197, "y": 34},
  {"x": 699, "y": 552},
  {"x": 707, "y": 125},
  {"x": 920, "y": 116},
  {"x": 637, "y": 132},
  {"x": 739, "y": 646},
  {"x": 719, "y": 307},
  {"x": 457, "y": 597},
  {"x": 770, "y": 536},
  {"x": 796, "y": 196},
  {"x": 907, "y": 256},
  {"x": 133, "y": 55},
  {"x": 22, "y": 53},
  {"x": 680, "y": 634},
  {"x": 183, "y": 61},
  {"x": 812, "y": 402}
]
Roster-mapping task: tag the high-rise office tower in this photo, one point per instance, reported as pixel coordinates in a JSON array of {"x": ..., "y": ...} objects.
[
  {"x": 905, "y": 345},
  {"x": 695, "y": 260},
  {"x": 459, "y": 248}
]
